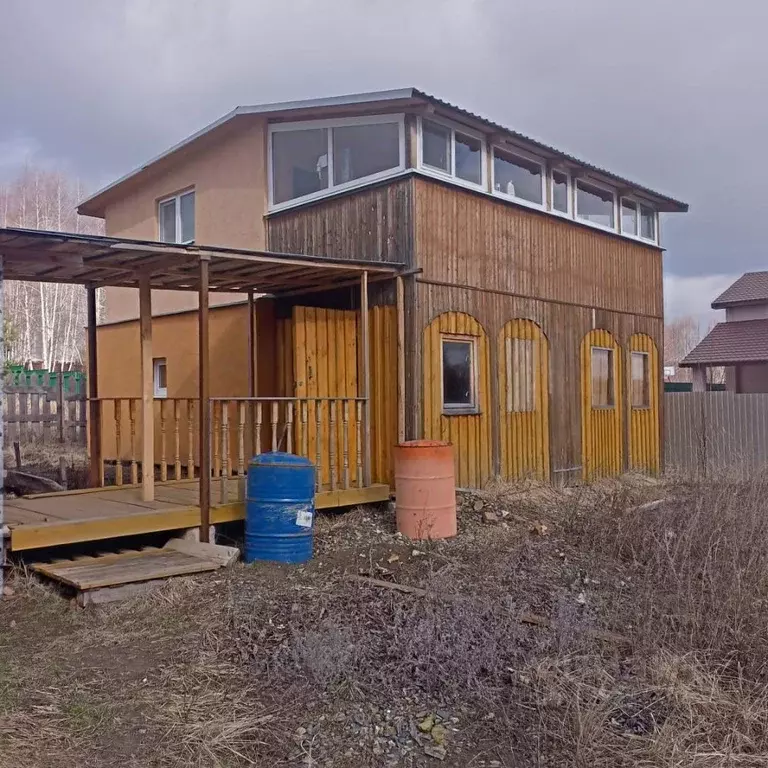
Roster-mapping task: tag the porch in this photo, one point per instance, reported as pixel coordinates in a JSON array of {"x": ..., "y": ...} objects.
[{"x": 199, "y": 447}]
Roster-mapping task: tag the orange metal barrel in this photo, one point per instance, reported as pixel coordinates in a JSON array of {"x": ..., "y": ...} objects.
[{"x": 426, "y": 489}]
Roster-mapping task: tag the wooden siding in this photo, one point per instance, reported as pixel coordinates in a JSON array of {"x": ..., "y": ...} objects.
[
  {"x": 372, "y": 224},
  {"x": 524, "y": 434},
  {"x": 383, "y": 323},
  {"x": 601, "y": 427},
  {"x": 473, "y": 240},
  {"x": 644, "y": 423},
  {"x": 469, "y": 433}
]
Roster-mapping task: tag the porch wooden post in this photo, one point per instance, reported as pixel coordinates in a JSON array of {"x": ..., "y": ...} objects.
[
  {"x": 700, "y": 378},
  {"x": 365, "y": 343},
  {"x": 147, "y": 392},
  {"x": 400, "y": 359},
  {"x": 252, "y": 372},
  {"x": 204, "y": 393},
  {"x": 94, "y": 409}
]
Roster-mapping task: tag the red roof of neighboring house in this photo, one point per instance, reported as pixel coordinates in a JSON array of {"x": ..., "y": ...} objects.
[
  {"x": 750, "y": 288},
  {"x": 740, "y": 341}
]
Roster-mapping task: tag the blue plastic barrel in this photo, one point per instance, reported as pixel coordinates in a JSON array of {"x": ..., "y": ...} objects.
[{"x": 279, "y": 508}]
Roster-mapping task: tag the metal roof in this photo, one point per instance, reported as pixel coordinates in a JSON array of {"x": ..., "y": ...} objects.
[
  {"x": 664, "y": 202},
  {"x": 63, "y": 257},
  {"x": 737, "y": 341},
  {"x": 750, "y": 288}
]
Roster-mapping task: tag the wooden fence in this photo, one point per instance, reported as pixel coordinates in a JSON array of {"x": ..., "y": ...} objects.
[
  {"x": 711, "y": 432},
  {"x": 52, "y": 411}
]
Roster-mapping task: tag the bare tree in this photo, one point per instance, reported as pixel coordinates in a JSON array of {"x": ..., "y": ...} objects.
[
  {"x": 48, "y": 318},
  {"x": 681, "y": 335}
]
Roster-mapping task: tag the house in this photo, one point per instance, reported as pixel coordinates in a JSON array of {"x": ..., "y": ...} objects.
[
  {"x": 740, "y": 344},
  {"x": 524, "y": 325}
]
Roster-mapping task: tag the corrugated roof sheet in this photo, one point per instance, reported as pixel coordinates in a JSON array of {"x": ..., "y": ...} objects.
[
  {"x": 749, "y": 288},
  {"x": 742, "y": 341},
  {"x": 400, "y": 94}
]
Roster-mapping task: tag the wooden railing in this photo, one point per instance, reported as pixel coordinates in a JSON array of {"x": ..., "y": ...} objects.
[{"x": 326, "y": 430}]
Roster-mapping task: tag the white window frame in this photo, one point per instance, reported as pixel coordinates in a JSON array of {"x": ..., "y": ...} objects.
[
  {"x": 634, "y": 202},
  {"x": 568, "y": 213},
  {"x": 655, "y": 238},
  {"x": 606, "y": 188},
  {"x": 454, "y": 128},
  {"x": 527, "y": 157},
  {"x": 460, "y": 409},
  {"x": 177, "y": 202},
  {"x": 330, "y": 124},
  {"x": 159, "y": 392}
]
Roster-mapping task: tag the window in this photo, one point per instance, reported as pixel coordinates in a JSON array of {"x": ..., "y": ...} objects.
[
  {"x": 595, "y": 204},
  {"x": 453, "y": 152},
  {"x": 314, "y": 158},
  {"x": 628, "y": 217},
  {"x": 647, "y": 223},
  {"x": 459, "y": 375},
  {"x": 521, "y": 376},
  {"x": 639, "y": 380},
  {"x": 177, "y": 218},
  {"x": 602, "y": 378},
  {"x": 560, "y": 201},
  {"x": 160, "y": 377},
  {"x": 518, "y": 177}
]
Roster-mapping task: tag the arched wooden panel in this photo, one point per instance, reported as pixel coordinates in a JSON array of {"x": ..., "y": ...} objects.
[
  {"x": 523, "y": 361},
  {"x": 602, "y": 449},
  {"x": 470, "y": 433},
  {"x": 643, "y": 405}
]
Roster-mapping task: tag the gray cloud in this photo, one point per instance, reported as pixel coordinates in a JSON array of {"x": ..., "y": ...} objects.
[{"x": 668, "y": 92}]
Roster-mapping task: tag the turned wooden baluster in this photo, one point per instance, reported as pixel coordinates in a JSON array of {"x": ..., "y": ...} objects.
[
  {"x": 163, "y": 462},
  {"x": 359, "y": 441},
  {"x": 257, "y": 429},
  {"x": 275, "y": 414},
  {"x": 132, "y": 419},
  {"x": 191, "y": 439},
  {"x": 241, "y": 439},
  {"x": 332, "y": 442},
  {"x": 318, "y": 442},
  {"x": 304, "y": 407},
  {"x": 345, "y": 441},
  {"x": 224, "y": 452},
  {"x": 289, "y": 427},
  {"x": 176, "y": 442},
  {"x": 118, "y": 441}
]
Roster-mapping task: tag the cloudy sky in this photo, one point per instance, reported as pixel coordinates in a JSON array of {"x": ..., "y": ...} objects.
[{"x": 671, "y": 93}]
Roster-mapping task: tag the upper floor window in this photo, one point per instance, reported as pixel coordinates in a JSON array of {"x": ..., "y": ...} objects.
[
  {"x": 595, "y": 204},
  {"x": 314, "y": 158},
  {"x": 628, "y": 217},
  {"x": 518, "y": 176},
  {"x": 453, "y": 152},
  {"x": 647, "y": 223},
  {"x": 176, "y": 217},
  {"x": 560, "y": 198}
]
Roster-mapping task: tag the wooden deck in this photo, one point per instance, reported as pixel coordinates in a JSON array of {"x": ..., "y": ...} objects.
[{"x": 70, "y": 517}]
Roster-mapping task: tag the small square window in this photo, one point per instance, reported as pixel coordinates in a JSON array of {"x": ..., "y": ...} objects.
[
  {"x": 177, "y": 218},
  {"x": 560, "y": 192},
  {"x": 639, "y": 380},
  {"x": 160, "y": 377},
  {"x": 629, "y": 218},
  {"x": 521, "y": 376},
  {"x": 517, "y": 177},
  {"x": 469, "y": 158},
  {"x": 602, "y": 378},
  {"x": 459, "y": 375},
  {"x": 595, "y": 204},
  {"x": 647, "y": 223},
  {"x": 436, "y": 146}
]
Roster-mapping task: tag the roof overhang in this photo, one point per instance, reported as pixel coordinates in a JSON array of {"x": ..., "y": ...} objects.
[
  {"x": 734, "y": 342},
  {"x": 95, "y": 261}
]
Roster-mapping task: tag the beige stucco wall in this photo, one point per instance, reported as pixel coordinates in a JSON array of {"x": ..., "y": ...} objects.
[
  {"x": 753, "y": 312},
  {"x": 228, "y": 174},
  {"x": 752, "y": 378}
]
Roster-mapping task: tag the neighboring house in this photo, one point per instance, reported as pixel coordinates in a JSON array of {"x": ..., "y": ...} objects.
[
  {"x": 740, "y": 344},
  {"x": 533, "y": 288}
]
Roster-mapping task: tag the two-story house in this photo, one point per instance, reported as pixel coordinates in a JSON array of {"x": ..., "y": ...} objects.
[{"x": 532, "y": 279}]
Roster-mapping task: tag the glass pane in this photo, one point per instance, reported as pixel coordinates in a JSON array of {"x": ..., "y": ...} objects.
[
  {"x": 187, "y": 210},
  {"x": 299, "y": 163},
  {"x": 647, "y": 223},
  {"x": 516, "y": 176},
  {"x": 435, "y": 146},
  {"x": 469, "y": 158},
  {"x": 168, "y": 221},
  {"x": 559, "y": 192},
  {"x": 602, "y": 377},
  {"x": 594, "y": 204},
  {"x": 628, "y": 217},
  {"x": 457, "y": 374},
  {"x": 521, "y": 397},
  {"x": 639, "y": 380},
  {"x": 362, "y": 150}
]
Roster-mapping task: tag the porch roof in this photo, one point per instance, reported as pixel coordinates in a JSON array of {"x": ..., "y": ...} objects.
[
  {"x": 98, "y": 261},
  {"x": 730, "y": 343}
]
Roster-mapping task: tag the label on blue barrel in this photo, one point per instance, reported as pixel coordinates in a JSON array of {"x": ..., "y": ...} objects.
[{"x": 304, "y": 518}]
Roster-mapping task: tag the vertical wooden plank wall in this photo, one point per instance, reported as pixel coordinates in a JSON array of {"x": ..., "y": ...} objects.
[
  {"x": 383, "y": 334},
  {"x": 644, "y": 423}
]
